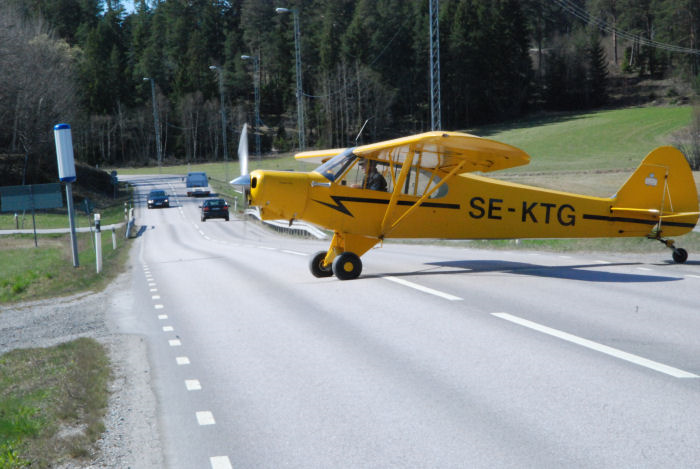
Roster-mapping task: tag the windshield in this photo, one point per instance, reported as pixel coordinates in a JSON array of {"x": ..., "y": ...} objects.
[
  {"x": 157, "y": 193},
  {"x": 336, "y": 166}
]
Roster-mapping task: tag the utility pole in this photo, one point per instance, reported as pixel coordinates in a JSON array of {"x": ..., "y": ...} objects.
[
  {"x": 300, "y": 97},
  {"x": 156, "y": 124},
  {"x": 435, "y": 117}
]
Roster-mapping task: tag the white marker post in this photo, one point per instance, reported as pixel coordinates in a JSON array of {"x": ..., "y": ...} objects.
[
  {"x": 66, "y": 173},
  {"x": 98, "y": 243}
]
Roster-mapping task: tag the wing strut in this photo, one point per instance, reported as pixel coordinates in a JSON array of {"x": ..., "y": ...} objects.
[{"x": 397, "y": 189}]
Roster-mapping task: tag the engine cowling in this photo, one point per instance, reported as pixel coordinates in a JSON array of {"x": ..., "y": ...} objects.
[{"x": 281, "y": 195}]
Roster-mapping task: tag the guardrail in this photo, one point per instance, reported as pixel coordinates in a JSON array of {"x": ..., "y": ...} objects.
[{"x": 298, "y": 228}]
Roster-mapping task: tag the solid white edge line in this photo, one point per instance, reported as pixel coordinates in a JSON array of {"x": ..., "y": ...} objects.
[
  {"x": 415, "y": 286},
  {"x": 220, "y": 462},
  {"x": 629, "y": 357}
]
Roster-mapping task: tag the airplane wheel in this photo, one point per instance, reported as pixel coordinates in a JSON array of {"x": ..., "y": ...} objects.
[
  {"x": 317, "y": 268},
  {"x": 347, "y": 266},
  {"x": 680, "y": 255}
]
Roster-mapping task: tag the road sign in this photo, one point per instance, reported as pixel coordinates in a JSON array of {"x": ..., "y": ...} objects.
[{"x": 30, "y": 196}]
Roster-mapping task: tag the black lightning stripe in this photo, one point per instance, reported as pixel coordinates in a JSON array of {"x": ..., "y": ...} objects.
[
  {"x": 636, "y": 220},
  {"x": 340, "y": 206}
]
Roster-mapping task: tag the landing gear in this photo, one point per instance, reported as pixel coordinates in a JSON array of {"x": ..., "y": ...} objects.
[
  {"x": 679, "y": 255},
  {"x": 317, "y": 267},
  {"x": 347, "y": 266}
]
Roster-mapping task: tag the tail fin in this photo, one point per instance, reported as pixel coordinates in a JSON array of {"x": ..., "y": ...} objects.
[{"x": 661, "y": 189}]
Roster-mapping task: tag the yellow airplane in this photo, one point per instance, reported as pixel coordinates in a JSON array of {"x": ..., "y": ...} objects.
[{"x": 421, "y": 186}]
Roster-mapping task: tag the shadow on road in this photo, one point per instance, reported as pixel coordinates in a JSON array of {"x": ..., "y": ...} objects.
[{"x": 583, "y": 272}]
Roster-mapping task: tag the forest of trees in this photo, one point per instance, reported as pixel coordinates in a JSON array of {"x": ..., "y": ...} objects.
[{"x": 91, "y": 62}]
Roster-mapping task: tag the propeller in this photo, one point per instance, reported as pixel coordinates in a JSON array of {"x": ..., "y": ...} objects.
[{"x": 243, "y": 181}]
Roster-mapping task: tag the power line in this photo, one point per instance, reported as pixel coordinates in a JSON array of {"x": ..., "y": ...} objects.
[{"x": 586, "y": 17}]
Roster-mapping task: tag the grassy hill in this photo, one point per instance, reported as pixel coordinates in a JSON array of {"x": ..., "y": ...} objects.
[{"x": 601, "y": 140}]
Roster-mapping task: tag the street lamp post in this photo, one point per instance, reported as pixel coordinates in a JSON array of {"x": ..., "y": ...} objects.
[
  {"x": 256, "y": 86},
  {"x": 300, "y": 97},
  {"x": 156, "y": 124},
  {"x": 223, "y": 114}
]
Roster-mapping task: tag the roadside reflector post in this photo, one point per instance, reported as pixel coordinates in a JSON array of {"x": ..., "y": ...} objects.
[
  {"x": 66, "y": 173},
  {"x": 114, "y": 239},
  {"x": 98, "y": 243}
]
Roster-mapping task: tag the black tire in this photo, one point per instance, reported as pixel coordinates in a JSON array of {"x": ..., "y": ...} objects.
[
  {"x": 347, "y": 266},
  {"x": 317, "y": 268},
  {"x": 680, "y": 255},
  {"x": 204, "y": 219},
  {"x": 226, "y": 218}
]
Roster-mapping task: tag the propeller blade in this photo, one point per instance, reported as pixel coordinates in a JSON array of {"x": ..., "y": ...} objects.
[
  {"x": 243, "y": 150},
  {"x": 242, "y": 180}
]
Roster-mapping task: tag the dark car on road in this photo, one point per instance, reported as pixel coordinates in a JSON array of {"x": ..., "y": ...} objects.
[
  {"x": 214, "y": 208},
  {"x": 158, "y": 198}
]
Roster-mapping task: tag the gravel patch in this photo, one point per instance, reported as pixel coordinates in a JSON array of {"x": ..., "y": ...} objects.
[{"x": 131, "y": 438}]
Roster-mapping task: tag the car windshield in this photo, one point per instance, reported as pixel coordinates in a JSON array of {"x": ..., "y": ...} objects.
[
  {"x": 217, "y": 202},
  {"x": 336, "y": 166},
  {"x": 157, "y": 193}
]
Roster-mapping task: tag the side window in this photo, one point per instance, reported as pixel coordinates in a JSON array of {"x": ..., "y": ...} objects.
[{"x": 419, "y": 181}]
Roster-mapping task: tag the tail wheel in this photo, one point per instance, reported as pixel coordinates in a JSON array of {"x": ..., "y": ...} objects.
[
  {"x": 317, "y": 267},
  {"x": 680, "y": 255},
  {"x": 347, "y": 266}
]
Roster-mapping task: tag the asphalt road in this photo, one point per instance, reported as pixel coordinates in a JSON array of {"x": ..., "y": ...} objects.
[{"x": 434, "y": 357}]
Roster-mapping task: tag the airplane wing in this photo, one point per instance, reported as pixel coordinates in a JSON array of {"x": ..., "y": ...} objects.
[
  {"x": 318, "y": 156},
  {"x": 445, "y": 150}
]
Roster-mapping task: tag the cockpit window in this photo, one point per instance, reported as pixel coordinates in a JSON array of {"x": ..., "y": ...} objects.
[{"x": 336, "y": 166}]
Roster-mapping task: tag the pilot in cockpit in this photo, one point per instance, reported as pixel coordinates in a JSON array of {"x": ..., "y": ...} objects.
[{"x": 373, "y": 179}]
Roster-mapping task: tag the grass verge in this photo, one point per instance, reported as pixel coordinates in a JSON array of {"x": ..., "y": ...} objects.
[
  {"x": 47, "y": 270},
  {"x": 52, "y": 402}
]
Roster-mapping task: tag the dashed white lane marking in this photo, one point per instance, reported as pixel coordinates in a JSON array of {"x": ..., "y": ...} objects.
[
  {"x": 155, "y": 297},
  {"x": 296, "y": 253},
  {"x": 174, "y": 342},
  {"x": 182, "y": 360},
  {"x": 158, "y": 306},
  {"x": 220, "y": 462},
  {"x": 205, "y": 417},
  {"x": 415, "y": 286},
  {"x": 162, "y": 316},
  {"x": 193, "y": 385},
  {"x": 151, "y": 284},
  {"x": 629, "y": 357},
  {"x": 153, "y": 290},
  {"x": 206, "y": 237},
  {"x": 201, "y": 232},
  {"x": 168, "y": 328}
]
